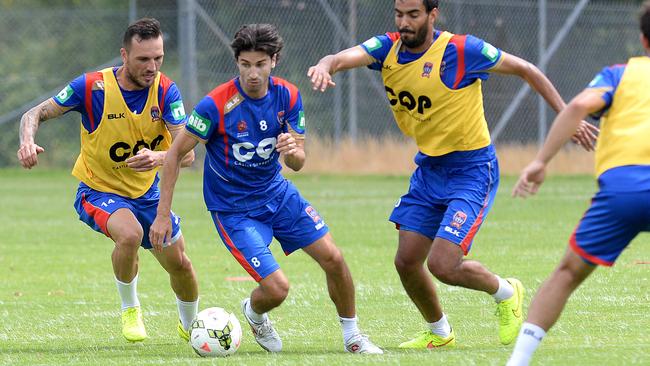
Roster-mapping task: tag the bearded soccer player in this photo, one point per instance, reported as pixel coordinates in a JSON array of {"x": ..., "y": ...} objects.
[
  {"x": 620, "y": 210},
  {"x": 129, "y": 116},
  {"x": 433, "y": 81},
  {"x": 246, "y": 124}
]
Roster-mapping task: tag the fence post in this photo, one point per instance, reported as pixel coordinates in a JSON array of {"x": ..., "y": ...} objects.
[
  {"x": 187, "y": 51},
  {"x": 352, "y": 74},
  {"x": 541, "y": 46}
]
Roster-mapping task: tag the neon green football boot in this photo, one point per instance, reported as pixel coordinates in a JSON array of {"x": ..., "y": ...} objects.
[
  {"x": 182, "y": 332},
  {"x": 133, "y": 325},
  {"x": 510, "y": 313},
  {"x": 428, "y": 340}
]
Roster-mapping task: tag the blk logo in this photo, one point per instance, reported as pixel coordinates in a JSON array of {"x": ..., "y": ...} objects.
[{"x": 116, "y": 116}]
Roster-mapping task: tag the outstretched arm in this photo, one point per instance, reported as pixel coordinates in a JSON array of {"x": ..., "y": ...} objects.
[
  {"x": 29, "y": 123},
  {"x": 585, "y": 133},
  {"x": 564, "y": 126},
  {"x": 321, "y": 73},
  {"x": 161, "y": 228}
]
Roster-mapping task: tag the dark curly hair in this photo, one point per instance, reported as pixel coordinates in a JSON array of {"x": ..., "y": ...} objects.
[{"x": 257, "y": 37}]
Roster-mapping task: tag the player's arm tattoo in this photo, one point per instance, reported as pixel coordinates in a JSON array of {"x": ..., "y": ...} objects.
[{"x": 32, "y": 118}]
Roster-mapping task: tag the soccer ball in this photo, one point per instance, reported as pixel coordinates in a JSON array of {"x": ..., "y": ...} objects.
[{"x": 215, "y": 333}]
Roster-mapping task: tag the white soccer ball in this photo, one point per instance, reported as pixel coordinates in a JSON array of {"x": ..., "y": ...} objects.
[{"x": 215, "y": 333}]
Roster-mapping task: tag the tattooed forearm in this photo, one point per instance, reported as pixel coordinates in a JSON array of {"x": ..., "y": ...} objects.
[{"x": 33, "y": 117}]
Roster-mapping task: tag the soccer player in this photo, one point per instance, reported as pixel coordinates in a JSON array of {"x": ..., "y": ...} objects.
[
  {"x": 620, "y": 210},
  {"x": 129, "y": 116},
  {"x": 246, "y": 124},
  {"x": 433, "y": 81}
]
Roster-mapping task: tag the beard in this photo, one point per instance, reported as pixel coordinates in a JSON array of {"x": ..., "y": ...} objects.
[
  {"x": 134, "y": 79},
  {"x": 418, "y": 39}
]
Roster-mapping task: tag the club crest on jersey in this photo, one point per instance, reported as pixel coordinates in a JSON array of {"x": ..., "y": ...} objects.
[
  {"x": 459, "y": 219},
  {"x": 155, "y": 114},
  {"x": 313, "y": 214},
  {"x": 242, "y": 129},
  {"x": 426, "y": 70},
  {"x": 281, "y": 118}
]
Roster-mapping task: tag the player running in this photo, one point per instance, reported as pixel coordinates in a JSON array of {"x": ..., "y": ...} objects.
[
  {"x": 129, "y": 116},
  {"x": 620, "y": 210},
  {"x": 246, "y": 124},
  {"x": 433, "y": 81}
]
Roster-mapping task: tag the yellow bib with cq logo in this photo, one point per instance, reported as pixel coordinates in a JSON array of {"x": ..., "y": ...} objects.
[
  {"x": 440, "y": 119},
  {"x": 625, "y": 128},
  {"x": 120, "y": 134}
]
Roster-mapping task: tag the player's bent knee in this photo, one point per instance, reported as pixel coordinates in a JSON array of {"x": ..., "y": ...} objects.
[
  {"x": 129, "y": 238},
  {"x": 276, "y": 291},
  {"x": 405, "y": 266},
  {"x": 444, "y": 273}
]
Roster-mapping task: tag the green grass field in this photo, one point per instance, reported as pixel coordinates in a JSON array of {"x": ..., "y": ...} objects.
[{"x": 59, "y": 306}]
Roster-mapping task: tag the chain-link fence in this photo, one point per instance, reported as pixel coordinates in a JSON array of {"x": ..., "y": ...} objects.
[{"x": 47, "y": 43}]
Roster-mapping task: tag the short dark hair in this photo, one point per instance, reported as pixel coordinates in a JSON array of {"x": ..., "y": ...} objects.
[
  {"x": 430, "y": 5},
  {"x": 144, "y": 28},
  {"x": 644, "y": 20},
  {"x": 257, "y": 37}
]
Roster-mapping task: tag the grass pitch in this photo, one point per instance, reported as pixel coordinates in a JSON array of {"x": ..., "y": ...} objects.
[{"x": 59, "y": 305}]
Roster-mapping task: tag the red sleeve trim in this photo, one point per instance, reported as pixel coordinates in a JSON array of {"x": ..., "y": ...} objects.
[
  {"x": 394, "y": 36},
  {"x": 91, "y": 78},
  {"x": 164, "y": 84},
  {"x": 459, "y": 42},
  {"x": 220, "y": 96},
  {"x": 293, "y": 90}
]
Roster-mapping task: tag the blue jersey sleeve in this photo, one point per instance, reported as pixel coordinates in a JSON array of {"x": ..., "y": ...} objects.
[
  {"x": 296, "y": 117},
  {"x": 480, "y": 57},
  {"x": 72, "y": 96},
  {"x": 606, "y": 83},
  {"x": 174, "y": 111},
  {"x": 378, "y": 48},
  {"x": 204, "y": 120}
]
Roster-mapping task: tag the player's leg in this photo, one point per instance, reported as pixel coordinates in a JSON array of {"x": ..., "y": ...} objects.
[
  {"x": 173, "y": 259},
  {"x": 417, "y": 215},
  {"x": 183, "y": 282},
  {"x": 126, "y": 232},
  {"x": 341, "y": 290},
  {"x": 297, "y": 225},
  {"x": 471, "y": 190},
  {"x": 247, "y": 237},
  {"x": 547, "y": 305},
  {"x": 609, "y": 225},
  {"x": 113, "y": 216}
]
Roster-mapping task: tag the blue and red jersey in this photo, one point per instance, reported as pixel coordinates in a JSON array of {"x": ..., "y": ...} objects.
[
  {"x": 83, "y": 98},
  {"x": 607, "y": 82},
  {"x": 465, "y": 60},
  {"x": 625, "y": 178},
  {"x": 241, "y": 170}
]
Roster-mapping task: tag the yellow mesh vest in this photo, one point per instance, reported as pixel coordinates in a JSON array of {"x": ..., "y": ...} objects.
[
  {"x": 625, "y": 128},
  {"x": 121, "y": 133},
  {"x": 440, "y": 119}
]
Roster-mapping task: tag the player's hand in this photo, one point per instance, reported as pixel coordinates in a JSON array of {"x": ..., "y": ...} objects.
[
  {"x": 286, "y": 144},
  {"x": 160, "y": 231},
  {"x": 530, "y": 180},
  {"x": 320, "y": 78},
  {"x": 28, "y": 154},
  {"x": 586, "y": 135},
  {"x": 145, "y": 160}
]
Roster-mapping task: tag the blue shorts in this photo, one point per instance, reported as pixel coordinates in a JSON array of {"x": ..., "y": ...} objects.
[
  {"x": 610, "y": 224},
  {"x": 247, "y": 235},
  {"x": 95, "y": 207},
  {"x": 449, "y": 202}
]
